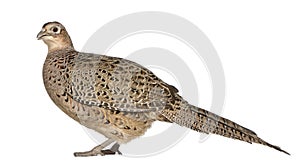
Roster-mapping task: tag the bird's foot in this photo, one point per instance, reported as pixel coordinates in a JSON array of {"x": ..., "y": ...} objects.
[
  {"x": 87, "y": 153},
  {"x": 98, "y": 150},
  {"x": 113, "y": 150},
  {"x": 95, "y": 153},
  {"x": 110, "y": 152}
]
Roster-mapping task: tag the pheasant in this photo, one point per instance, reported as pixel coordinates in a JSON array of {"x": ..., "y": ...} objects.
[{"x": 120, "y": 98}]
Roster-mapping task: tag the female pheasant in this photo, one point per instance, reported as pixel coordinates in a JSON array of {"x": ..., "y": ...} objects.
[{"x": 119, "y": 98}]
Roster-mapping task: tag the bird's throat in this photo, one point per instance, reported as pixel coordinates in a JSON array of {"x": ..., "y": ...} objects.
[{"x": 55, "y": 45}]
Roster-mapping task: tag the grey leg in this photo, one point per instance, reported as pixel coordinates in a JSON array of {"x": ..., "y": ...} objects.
[{"x": 95, "y": 151}]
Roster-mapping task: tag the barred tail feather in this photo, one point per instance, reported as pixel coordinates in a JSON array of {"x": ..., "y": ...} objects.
[{"x": 204, "y": 121}]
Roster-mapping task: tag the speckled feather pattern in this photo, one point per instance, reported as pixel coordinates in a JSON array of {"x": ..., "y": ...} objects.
[{"x": 120, "y": 98}]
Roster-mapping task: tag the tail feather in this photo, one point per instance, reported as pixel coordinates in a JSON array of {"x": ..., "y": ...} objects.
[
  {"x": 204, "y": 121},
  {"x": 272, "y": 146}
]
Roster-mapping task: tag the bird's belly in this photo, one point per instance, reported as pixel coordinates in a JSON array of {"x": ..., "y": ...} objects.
[{"x": 119, "y": 126}]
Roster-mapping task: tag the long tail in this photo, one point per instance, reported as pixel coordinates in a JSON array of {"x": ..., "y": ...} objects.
[{"x": 204, "y": 121}]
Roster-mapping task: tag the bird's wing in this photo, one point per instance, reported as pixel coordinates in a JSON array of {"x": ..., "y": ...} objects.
[{"x": 117, "y": 84}]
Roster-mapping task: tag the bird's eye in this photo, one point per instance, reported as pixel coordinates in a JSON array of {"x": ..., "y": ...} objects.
[{"x": 55, "y": 29}]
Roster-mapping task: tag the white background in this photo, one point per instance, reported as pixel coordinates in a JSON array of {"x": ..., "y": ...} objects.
[{"x": 258, "y": 43}]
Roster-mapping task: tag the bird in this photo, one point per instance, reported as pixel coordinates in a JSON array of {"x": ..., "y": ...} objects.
[{"x": 119, "y": 98}]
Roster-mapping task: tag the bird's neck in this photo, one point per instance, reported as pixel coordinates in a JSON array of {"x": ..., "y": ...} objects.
[
  {"x": 62, "y": 54},
  {"x": 54, "y": 48},
  {"x": 59, "y": 44}
]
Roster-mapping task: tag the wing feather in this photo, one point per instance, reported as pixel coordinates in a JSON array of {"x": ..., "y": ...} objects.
[{"x": 117, "y": 84}]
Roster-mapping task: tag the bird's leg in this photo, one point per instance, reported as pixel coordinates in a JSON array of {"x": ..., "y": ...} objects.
[
  {"x": 95, "y": 151},
  {"x": 113, "y": 150}
]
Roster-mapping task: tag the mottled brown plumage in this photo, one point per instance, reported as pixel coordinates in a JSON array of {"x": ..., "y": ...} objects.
[{"x": 119, "y": 98}]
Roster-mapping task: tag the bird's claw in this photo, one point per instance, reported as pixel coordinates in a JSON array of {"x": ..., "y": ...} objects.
[
  {"x": 111, "y": 152},
  {"x": 97, "y": 152}
]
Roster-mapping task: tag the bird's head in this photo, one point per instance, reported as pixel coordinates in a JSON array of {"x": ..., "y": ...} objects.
[{"x": 55, "y": 36}]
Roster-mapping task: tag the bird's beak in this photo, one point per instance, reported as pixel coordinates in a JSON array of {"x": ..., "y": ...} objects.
[{"x": 41, "y": 34}]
